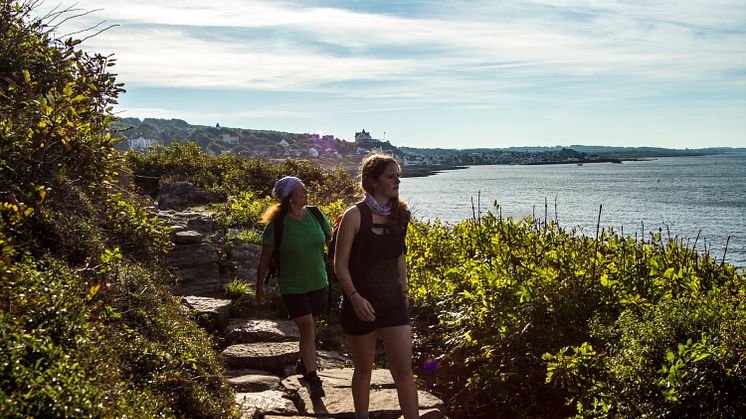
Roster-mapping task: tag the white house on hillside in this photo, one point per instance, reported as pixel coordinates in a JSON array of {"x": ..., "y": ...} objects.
[
  {"x": 313, "y": 152},
  {"x": 284, "y": 143},
  {"x": 142, "y": 142},
  {"x": 362, "y": 136},
  {"x": 229, "y": 139}
]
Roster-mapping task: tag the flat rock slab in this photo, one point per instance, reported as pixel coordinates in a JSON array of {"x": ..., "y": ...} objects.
[
  {"x": 384, "y": 403},
  {"x": 188, "y": 255},
  {"x": 187, "y": 237},
  {"x": 260, "y": 330},
  {"x": 332, "y": 359},
  {"x": 265, "y": 402},
  {"x": 252, "y": 381},
  {"x": 326, "y": 360},
  {"x": 342, "y": 378},
  {"x": 430, "y": 414},
  {"x": 212, "y": 313},
  {"x": 265, "y": 356}
]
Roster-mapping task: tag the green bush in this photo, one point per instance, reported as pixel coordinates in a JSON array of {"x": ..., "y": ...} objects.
[
  {"x": 243, "y": 210},
  {"x": 233, "y": 175},
  {"x": 498, "y": 302},
  {"x": 237, "y": 289},
  {"x": 89, "y": 329}
]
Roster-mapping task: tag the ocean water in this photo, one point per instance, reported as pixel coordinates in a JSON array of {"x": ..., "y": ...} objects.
[{"x": 685, "y": 196}]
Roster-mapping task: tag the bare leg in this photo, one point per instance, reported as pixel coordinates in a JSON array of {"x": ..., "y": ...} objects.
[
  {"x": 307, "y": 330},
  {"x": 398, "y": 343},
  {"x": 363, "y": 348}
]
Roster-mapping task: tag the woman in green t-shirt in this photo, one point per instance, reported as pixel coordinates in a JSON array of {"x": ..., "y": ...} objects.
[{"x": 302, "y": 271}]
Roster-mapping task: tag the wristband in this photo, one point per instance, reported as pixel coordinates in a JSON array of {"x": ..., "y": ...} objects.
[{"x": 352, "y": 293}]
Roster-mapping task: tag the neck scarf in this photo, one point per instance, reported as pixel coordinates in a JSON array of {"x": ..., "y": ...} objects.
[{"x": 376, "y": 207}]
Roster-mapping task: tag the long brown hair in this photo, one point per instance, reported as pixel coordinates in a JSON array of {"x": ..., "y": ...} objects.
[
  {"x": 371, "y": 168},
  {"x": 277, "y": 210}
]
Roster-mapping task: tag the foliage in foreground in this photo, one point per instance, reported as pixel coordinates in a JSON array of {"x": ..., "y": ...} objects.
[
  {"x": 527, "y": 320},
  {"x": 88, "y": 327}
]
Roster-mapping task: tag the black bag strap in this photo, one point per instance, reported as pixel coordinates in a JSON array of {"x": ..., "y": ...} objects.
[
  {"x": 320, "y": 218},
  {"x": 278, "y": 225},
  {"x": 366, "y": 216}
]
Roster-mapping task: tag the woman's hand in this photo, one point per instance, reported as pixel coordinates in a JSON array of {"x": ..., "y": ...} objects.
[
  {"x": 363, "y": 308},
  {"x": 260, "y": 295}
]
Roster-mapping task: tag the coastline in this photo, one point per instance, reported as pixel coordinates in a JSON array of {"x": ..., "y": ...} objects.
[
  {"x": 429, "y": 170},
  {"x": 423, "y": 171}
]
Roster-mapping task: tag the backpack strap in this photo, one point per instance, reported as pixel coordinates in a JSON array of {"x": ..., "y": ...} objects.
[
  {"x": 278, "y": 225},
  {"x": 366, "y": 216},
  {"x": 320, "y": 218}
]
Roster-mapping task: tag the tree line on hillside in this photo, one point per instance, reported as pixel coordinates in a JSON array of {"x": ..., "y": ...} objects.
[{"x": 219, "y": 140}]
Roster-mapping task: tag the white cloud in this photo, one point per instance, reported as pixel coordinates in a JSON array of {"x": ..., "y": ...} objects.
[{"x": 480, "y": 53}]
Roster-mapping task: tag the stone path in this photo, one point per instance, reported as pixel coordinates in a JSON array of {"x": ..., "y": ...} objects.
[{"x": 260, "y": 357}]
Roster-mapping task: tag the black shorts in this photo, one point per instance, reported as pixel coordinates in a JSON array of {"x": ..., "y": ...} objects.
[
  {"x": 312, "y": 302},
  {"x": 390, "y": 311}
]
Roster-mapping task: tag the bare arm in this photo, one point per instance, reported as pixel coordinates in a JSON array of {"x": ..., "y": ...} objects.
[
  {"x": 348, "y": 227},
  {"x": 261, "y": 272}
]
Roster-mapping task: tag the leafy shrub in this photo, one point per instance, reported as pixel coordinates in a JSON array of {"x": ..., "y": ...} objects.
[
  {"x": 233, "y": 175},
  {"x": 497, "y": 302},
  {"x": 241, "y": 294},
  {"x": 237, "y": 289},
  {"x": 243, "y": 210},
  {"x": 88, "y": 327}
]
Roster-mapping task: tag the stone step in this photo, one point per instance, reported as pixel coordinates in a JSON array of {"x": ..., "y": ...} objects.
[
  {"x": 325, "y": 360},
  {"x": 341, "y": 378},
  {"x": 384, "y": 402},
  {"x": 252, "y": 381},
  {"x": 263, "y": 356},
  {"x": 211, "y": 313},
  {"x": 260, "y": 330},
  {"x": 253, "y": 405}
]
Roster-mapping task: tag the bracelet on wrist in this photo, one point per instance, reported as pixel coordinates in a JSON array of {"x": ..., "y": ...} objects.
[{"x": 352, "y": 293}]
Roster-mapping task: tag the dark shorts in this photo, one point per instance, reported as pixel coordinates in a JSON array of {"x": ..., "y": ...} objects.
[
  {"x": 312, "y": 302},
  {"x": 390, "y": 311}
]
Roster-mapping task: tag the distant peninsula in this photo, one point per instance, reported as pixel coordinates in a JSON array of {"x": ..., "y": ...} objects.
[{"x": 330, "y": 151}]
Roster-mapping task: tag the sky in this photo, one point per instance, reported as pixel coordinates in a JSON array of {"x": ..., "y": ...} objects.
[{"x": 449, "y": 74}]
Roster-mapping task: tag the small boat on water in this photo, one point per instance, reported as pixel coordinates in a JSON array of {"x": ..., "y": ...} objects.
[{"x": 580, "y": 164}]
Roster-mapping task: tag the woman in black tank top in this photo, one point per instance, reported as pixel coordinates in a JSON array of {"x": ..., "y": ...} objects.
[{"x": 370, "y": 264}]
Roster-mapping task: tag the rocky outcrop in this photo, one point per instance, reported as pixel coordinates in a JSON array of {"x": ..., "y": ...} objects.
[
  {"x": 242, "y": 260},
  {"x": 201, "y": 259},
  {"x": 195, "y": 254}
]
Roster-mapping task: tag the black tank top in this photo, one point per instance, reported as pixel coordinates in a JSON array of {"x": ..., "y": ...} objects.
[{"x": 374, "y": 268}]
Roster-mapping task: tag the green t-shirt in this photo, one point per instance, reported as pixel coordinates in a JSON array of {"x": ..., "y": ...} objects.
[{"x": 301, "y": 253}]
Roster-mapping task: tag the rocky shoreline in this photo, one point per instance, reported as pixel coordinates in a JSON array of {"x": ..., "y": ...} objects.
[{"x": 422, "y": 171}]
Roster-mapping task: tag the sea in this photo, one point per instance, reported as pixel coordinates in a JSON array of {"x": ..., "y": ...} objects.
[{"x": 686, "y": 197}]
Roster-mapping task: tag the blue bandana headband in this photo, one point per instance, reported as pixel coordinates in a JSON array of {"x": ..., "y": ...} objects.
[
  {"x": 376, "y": 207},
  {"x": 284, "y": 187}
]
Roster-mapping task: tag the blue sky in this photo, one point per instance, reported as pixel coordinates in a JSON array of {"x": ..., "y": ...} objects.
[{"x": 453, "y": 74}]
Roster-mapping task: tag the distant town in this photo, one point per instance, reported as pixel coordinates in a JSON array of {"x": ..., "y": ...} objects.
[{"x": 141, "y": 135}]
